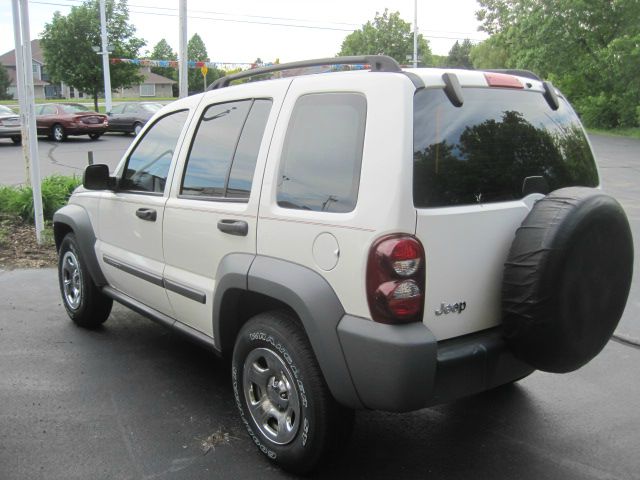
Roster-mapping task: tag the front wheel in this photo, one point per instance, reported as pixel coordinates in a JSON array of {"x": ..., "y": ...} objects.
[
  {"x": 83, "y": 301},
  {"x": 282, "y": 396},
  {"x": 17, "y": 140},
  {"x": 136, "y": 128}
]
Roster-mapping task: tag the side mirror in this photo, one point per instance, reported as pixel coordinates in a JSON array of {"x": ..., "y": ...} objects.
[{"x": 96, "y": 177}]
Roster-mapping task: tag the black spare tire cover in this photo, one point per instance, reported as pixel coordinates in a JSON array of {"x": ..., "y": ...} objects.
[{"x": 566, "y": 279}]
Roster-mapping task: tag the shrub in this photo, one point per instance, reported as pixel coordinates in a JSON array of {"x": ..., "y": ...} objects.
[{"x": 18, "y": 201}]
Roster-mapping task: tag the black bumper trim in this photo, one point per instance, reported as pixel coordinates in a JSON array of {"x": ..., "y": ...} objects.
[{"x": 401, "y": 368}]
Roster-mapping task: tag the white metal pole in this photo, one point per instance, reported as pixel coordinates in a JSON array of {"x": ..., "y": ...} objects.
[
  {"x": 105, "y": 57},
  {"x": 415, "y": 33},
  {"x": 182, "y": 51},
  {"x": 28, "y": 113},
  {"x": 22, "y": 94}
]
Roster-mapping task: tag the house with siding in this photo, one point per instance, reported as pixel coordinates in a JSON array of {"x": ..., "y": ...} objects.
[{"x": 152, "y": 85}]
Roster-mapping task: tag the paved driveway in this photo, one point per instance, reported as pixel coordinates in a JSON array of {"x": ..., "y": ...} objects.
[{"x": 134, "y": 401}]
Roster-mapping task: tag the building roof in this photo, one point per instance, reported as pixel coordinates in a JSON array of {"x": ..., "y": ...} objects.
[
  {"x": 8, "y": 59},
  {"x": 150, "y": 77}
]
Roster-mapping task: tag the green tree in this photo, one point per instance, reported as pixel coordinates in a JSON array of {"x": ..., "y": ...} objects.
[
  {"x": 197, "y": 52},
  {"x": 459, "y": 54},
  {"x": 488, "y": 54},
  {"x": 67, "y": 43},
  {"x": 387, "y": 34},
  {"x": 5, "y": 82},
  {"x": 163, "y": 51},
  {"x": 590, "y": 49}
]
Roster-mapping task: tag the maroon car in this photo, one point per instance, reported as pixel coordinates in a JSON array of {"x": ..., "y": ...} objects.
[{"x": 62, "y": 119}]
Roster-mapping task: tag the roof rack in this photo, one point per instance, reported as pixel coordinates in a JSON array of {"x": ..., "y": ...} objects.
[
  {"x": 521, "y": 73},
  {"x": 378, "y": 63}
]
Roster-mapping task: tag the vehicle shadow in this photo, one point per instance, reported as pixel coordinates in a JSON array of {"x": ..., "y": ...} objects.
[{"x": 464, "y": 439}]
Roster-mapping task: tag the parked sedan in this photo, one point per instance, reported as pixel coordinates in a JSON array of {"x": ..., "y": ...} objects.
[
  {"x": 10, "y": 125},
  {"x": 62, "y": 119},
  {"x": 131, "y": 117}
]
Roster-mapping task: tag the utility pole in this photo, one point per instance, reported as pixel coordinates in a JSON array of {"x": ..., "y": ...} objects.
[
  {"x": 24, "y": 72},
  {"x": 182, "y": 51},
  {"x": 415, "y": 33},
  {"x": 105, "y": 57}
]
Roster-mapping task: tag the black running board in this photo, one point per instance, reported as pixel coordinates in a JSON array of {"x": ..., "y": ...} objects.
[{"x": 161, "y": 318}]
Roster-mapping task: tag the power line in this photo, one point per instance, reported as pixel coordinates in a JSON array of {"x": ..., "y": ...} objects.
[{"x": 254, "y": 22}]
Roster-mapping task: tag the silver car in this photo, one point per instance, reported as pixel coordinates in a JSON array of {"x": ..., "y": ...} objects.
[
  {"x": 10, "y": 125},
  {"x": 131, "y": 117}
]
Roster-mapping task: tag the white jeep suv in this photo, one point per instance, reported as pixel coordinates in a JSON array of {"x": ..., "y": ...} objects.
[{"x": 364, "y": 238}]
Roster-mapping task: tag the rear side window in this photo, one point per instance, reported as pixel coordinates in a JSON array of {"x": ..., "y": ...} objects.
[
  {"x": 225, "y": 149},
  {"x": 322, "y": 154},
  {"x": 148, "y": 165},
  {"x": 493, "y": 146}
]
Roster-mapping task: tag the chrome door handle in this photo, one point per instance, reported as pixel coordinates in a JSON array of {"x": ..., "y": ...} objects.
[{"x": 233, "y": 227}]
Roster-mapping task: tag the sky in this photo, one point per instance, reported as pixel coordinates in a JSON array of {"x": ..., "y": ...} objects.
[{"x": 239, "y": 31}]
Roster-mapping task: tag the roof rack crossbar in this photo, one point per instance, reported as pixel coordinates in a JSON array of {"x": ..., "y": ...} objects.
[{"x": 378, "y": 63}]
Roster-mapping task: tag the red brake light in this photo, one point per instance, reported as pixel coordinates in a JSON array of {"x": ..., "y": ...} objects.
[
  {"x": 504, "y": 80},
  {"x": 395, "y": 279}
]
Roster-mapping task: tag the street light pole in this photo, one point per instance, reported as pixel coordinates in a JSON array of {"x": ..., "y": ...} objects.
[
  {"x": 182, "y": 50},
  {"x": 105, "y": 57},
  {"x": 415, "y": 33}
]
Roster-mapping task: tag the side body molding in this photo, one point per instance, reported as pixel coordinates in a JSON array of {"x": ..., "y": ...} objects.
[
  {"x": 309, "y": 296},
  {"x": 77, "y": 219}
]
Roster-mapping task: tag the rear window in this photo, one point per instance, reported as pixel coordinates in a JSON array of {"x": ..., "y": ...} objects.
[
  {"x": 74, "y": 108},
  {"x": 495, "y": 147}
]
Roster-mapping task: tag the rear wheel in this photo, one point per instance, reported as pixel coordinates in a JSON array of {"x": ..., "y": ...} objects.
[
  {"x": 57, "y": 133},
  {"x": 17, "y": 140},
  {"x": 282, "y": 396},
  {"x": 95, "y": 136},
  {"x": 83, "y": 301}
]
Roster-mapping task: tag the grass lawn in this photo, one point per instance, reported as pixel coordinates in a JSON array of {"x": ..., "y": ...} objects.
[{"x": 617, "y": 132}]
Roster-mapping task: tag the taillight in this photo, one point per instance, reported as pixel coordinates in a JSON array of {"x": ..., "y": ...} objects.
[{"x": 395, "y": 279}]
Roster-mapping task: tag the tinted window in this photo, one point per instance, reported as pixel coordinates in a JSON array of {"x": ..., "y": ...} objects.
[
  {"x": 244, "y": 161},
  {"x": 219, "y": 148},
  {"x": 494, "y": 146},
  {"x": 320, "y": 164},
  {"x": 149, "y": 163}
]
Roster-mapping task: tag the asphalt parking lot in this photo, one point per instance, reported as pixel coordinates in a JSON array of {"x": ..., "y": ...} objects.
[{"x": 134, "y": 401}]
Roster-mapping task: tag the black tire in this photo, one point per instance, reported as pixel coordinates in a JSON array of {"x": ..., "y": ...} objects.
[
  {"x": 566, "y": 279},
  {"x": 95, "y": 136},
  {"x": 298, "y": 441},
  {"x": 57, "y": 133},
  {"x": 17, "y": 140},
  {"x": 82, "y": 300}
]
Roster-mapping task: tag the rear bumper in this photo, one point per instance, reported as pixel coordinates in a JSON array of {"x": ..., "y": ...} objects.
[
  {"x": 8, "y": 132},
  {"x": 401, "y": 368},
  {"x": 85, "y": 129}
]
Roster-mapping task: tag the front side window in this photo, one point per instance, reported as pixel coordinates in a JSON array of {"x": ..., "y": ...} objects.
[
  {"x": 225, "y": 148},
  {"x": 148, "y": 165},
  {"x": 322, "y": 153}
]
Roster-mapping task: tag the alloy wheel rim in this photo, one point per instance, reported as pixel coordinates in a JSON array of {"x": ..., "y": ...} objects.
[
  {"x": 272, "y": 396},
  {"x": 71, "y": 280}
]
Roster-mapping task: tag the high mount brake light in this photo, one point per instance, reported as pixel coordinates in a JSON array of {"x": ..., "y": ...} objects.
[
  {"x": 395, "y": 279},
  {"x": 502, "y": 80}
]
